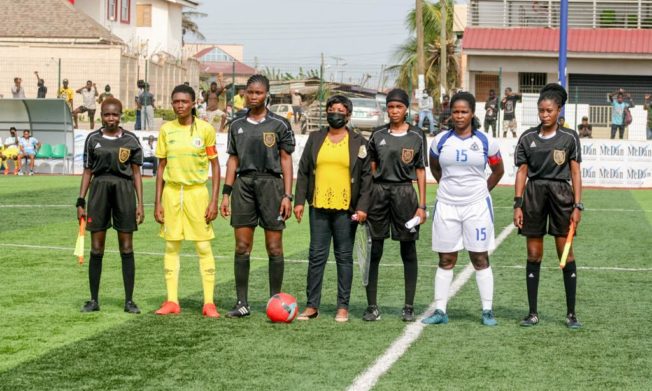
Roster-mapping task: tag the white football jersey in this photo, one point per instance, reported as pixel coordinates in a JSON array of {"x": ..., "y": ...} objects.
[{"x": 463, "y": 162}]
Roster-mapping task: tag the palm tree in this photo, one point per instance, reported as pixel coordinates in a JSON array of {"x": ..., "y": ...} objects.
[
  {"x": 188, "y": 25},
  {"x": 406, "y": 54}
]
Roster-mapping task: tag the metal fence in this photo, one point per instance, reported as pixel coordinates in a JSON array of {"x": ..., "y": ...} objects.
[{"x": 581, "y": 13}]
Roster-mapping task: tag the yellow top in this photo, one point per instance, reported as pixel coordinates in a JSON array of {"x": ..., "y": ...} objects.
[
  {"x": 187, "y": 155},
  {"x": 66, "y": 93},
  {"x": 238, "y": 102},
  {"x": 332, "y": 176}
]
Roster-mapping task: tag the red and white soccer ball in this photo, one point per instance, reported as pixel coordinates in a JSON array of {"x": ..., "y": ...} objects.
[{"x": 282, "y": 308}]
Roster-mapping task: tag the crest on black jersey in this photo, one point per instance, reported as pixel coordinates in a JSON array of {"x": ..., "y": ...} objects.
[
  {"x": 269, "y": 138},
  {"x": 123, "y": 155},
  {"x": 559, "y": 157},
  {"x": 407, "y": 155}
]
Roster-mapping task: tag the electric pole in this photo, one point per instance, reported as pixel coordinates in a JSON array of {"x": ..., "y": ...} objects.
[
  {"x": 443, "y": 59},
  {"x": 421, "y": 61}
]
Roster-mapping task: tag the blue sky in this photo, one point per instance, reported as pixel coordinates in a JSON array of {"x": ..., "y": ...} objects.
[{"x": 356, "y": 36}]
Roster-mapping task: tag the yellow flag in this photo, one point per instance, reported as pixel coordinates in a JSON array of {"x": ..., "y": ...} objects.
[{"x": 79, "y": 246}]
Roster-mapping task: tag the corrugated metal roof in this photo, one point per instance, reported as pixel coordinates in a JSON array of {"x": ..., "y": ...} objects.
[
  {"x": 625, "y": 41},
  {"x": 226, "y": 68}
]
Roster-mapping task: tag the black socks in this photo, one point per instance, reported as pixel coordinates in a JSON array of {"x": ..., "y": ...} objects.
[
  {"x": 276, "y": 269},
  {"x": 532, "y": 270}
]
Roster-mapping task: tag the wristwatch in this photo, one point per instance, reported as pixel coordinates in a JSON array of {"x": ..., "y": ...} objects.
[
  {"x": 289, "y": 197},
  {"x": 579, "y": 206}
]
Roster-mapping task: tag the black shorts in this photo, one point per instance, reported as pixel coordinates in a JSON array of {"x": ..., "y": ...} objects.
[
  {"x": 394, "y": 203},
  {"x": 547, "y": 203},
  {"x": 84, "y": 109},
  {"x": 111, "y": 197},
  {"x": 256, "y": 200}
]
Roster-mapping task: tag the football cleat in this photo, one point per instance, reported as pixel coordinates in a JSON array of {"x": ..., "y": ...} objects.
[
  {"x": 90, "y": 306},
  {"x": 210, "y": 311},
  {"x": 438, "y": 317},
  {"x": 131, "y": 307},
  {"x": 488, "y": 318},
  {"x": 168, "y": 307},
  {"x": 371, "y": 314},
  {"x": 530, "y": 320},
  {"x": 239, "y": 310}
]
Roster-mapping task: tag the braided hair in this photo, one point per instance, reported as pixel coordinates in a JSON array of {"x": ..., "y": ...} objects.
[
  {"x": 555, "y": 93},
  {"x": 258, "y": 78}
]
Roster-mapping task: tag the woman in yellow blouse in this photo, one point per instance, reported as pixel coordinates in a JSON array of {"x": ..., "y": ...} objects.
[{"x": 335, "y": 178}]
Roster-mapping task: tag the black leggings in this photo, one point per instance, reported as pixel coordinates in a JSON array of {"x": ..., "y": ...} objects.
[{"x": 410, "y": 270}]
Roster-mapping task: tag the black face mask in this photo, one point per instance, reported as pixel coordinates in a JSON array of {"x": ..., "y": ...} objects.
[{"x": 336, "y": 120}]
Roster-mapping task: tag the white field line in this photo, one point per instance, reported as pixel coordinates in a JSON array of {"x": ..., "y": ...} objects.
[
  {"x": 72, "y": 206},
  {"x": 367, "y": 379},
  {"x": 305, "y": 261}
]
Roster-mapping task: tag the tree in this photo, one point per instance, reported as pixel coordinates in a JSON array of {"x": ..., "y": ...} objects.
[
  {"x": 188, "y": 25},
  {"x": 406, "y": 54}
]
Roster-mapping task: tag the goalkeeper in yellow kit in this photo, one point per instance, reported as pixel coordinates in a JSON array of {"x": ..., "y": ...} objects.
[{"x": 185, "y": 149}]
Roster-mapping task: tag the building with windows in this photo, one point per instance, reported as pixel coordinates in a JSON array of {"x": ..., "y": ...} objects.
[
  {"x": 515, "y": 43},
  {"x": 97, "y": 40}
]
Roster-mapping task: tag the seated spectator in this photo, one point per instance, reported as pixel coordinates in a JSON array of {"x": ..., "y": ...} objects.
[
  {"x": 585, "y": 129},
  {"x": 11, "y": 150},
  {"x": 149, "y": 156},
  {"x": 29, "y": 146}
]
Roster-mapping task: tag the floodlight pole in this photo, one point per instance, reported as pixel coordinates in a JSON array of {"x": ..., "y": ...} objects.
[{"x": 563, "y": 44}]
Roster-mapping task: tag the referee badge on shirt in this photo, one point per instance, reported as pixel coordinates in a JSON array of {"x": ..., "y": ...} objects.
[
  {"x": 407, "y": 155},
  {"x": 269, "y": 138},
  {"x": 362, "y": 152},
  {"x": 559, "y": 156},
  {"x": 123, "y": 155}
]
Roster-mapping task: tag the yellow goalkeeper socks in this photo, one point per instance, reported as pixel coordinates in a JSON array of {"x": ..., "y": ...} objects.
[
  {"x": 171, "y": 267},
  {"x": 207, "y": 269}
]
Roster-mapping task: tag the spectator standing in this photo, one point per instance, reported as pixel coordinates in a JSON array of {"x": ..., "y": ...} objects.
[
  {"x": 297, "y": 103},
  {"x": 444, "y": 113},
  {"x": 66, "y": 93},
  {"x": 106, "y": 94},
  {"x": 42, "y": 89},
  {"x": 212, "y": 99},
  {"x": 141, "y": 87},
  {"x": 425, "y": 111},
  {"x": 149, "y": 154},
  {"x": 585, "y": 129},
  {"x": 618, "y": 107},
  {"x": 239, "y": 101},
  {"x": 508, "y": 105},
  {"x": 11, "y": 151},
  {"x": 146, "y": 100},
  {"x": 29, "y": 146},
  {"x": 89, "y": 94},
  {"x": 648, "y": 107},
  {"x": 17, "y": 91},
  {"x": 491, "y": 113}
]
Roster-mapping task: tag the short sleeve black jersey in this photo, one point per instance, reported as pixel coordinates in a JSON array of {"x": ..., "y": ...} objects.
[
  {"x": 257, "y": 144},
  {"x": 509, "y": 107},
  {"x": 112, "y": 155},
  {"x": 548, "y": 158},
  {"x": 397, "y": 156}
]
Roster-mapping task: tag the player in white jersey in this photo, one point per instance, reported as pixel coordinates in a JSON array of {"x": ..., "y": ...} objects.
[{"x": 463, "y": 216}]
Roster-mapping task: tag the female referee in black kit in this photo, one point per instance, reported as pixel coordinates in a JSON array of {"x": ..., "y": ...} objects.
[
  {"x": 398, "y": 158},
  {"x": 548, "y": 194},
  {"x": 112, "y": 160},
  {"x": 258, "y": 187}
]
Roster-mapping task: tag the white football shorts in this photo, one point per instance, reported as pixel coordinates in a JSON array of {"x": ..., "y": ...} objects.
[{"x": 469, "y": 227}]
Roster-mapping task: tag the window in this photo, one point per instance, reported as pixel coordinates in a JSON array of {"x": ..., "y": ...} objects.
[
  {"x": 216, "y": 55},
  {"x": 125, "y": 11},
  {"x": 531, "y": 82},
  {"x": 112, "y": 10},
  {"x": 143, "y": 15},
  {"x": 484, "y": 83}
]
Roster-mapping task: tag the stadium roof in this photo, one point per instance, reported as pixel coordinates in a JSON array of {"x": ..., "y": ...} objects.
[
  {"x": 47, "y": 20},
  {"x": 611, "y": 41}
]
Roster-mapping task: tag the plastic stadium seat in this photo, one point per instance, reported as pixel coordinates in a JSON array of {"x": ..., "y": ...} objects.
[
  {"x": 45, "y": 152},
  {"x": 59, "y": 151}
]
